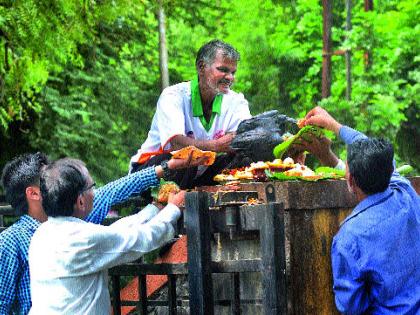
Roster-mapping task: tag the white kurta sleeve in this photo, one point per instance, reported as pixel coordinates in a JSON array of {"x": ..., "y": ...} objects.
[
  {"x": 124, "y": 241},
  {"x": 143, "y": 216}
]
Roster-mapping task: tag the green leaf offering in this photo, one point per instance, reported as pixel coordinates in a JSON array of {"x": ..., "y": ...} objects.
[
  {"x": 282, "y": 148},
  {"x": 283, "y": 177},
  {"x": 329, "y": 172},
  {"x": 404, "y": 169}
]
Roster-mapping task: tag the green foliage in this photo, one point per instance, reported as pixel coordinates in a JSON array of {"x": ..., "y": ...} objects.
[{"x": 81, "y": 78}]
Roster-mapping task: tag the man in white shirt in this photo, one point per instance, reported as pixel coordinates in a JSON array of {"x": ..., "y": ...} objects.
[
  {"x": 69, "y": 257},
  {"x": 204, "y": 113}
]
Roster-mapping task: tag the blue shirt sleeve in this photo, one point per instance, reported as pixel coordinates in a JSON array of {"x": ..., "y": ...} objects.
[
  {"x": 349, "y": 287},
  {"x": 9, "y": 273},
  {"x": 349, "y": 135},
  {"x": 120, "y": 190}
]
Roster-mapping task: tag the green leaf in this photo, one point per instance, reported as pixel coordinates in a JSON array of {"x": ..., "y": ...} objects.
[
  {"x": 329, "y": 172},
  {"x": 404, "y": 169},
  {"x": 282, "y": 148}
]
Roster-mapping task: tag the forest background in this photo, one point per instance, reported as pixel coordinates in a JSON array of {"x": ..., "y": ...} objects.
[{"x": 81, "y": 78}]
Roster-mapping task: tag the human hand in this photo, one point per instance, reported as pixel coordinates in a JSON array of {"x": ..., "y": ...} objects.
[
  {"x": 319, "y": 147},
  {"x": 177, "y": 199},
  {"x": 320, "y": 117},
  {"x": 223, "y": 143},
  {"x": 174, "y": 164},
  {"x": 297, "y": 153}
]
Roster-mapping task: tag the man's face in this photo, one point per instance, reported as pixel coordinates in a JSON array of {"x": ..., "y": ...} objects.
[
  {"x": 219, "y": 76},
  {"x": 89, "y": 194},
  {"x": 85, "y": 203}
]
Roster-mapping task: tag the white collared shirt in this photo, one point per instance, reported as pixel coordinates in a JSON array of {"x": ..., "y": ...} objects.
[
  {"x": 69, "y": 258},
  {"x": 174, "y": 116}
]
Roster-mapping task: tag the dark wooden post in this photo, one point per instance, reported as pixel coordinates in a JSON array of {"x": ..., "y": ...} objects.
[
  {"x": 172, "y": 295},
  {"x": 116, "y": 303},
  {"x": 197, "y": 221},
  {"x": 326, "y": 47},
  {"x": 273, "y": 256},
  {"x": 142, "y": 295},
  {"x": 236, "y": 294}
]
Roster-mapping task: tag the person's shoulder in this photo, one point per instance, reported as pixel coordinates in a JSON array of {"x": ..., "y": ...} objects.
[
  {"x": 179, "y": 88},
  {"x": 234, "y": 95},
  {"x": 234, "y": 98},
  {"x": 10, "y": 238}
]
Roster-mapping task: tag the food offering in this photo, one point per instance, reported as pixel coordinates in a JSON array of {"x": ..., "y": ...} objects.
[
  {"x": 256, "y": 172},
  {"x": 161, "y": 193},
  {"x": 278, "y": 169},
  {"x": 184, "y": 153},
  {"x": 303, "y": 172}
]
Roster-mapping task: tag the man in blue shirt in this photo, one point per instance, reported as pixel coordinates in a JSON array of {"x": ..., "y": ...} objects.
[
  {"x": 376, "y": 253},
  {"x": 20, "y": 180}
]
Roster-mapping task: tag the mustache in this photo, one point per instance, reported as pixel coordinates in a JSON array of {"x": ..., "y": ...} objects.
[{"x": 224, "y": 81}]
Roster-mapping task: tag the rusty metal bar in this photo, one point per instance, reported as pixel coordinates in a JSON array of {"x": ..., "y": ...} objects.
[{"x": 326, "y": 47}]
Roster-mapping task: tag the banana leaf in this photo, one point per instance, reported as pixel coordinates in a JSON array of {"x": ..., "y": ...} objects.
[
  {"x": 283, "y": 177},
  {"x": 404, "y": 169},
  {"x": 282, "y": 148},
  {"x": 329, "y": 172}
]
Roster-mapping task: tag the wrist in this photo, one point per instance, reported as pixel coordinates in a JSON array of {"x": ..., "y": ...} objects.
[
  {"x": 336, "y": 127},
  {"x": 330, "y": 159},
  {"x": 167, "y": 168}
]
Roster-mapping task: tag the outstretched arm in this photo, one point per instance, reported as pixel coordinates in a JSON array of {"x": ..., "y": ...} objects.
[
  {"x": 219, "y": 145},
  {"x": 320, "y": 117},
  {"x": 135, "y": 183}
]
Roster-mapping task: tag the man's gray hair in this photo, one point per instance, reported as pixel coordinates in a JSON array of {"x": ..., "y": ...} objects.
[
  {"x": 61, "y": 183},
  {"x": 207, "y": 52}
]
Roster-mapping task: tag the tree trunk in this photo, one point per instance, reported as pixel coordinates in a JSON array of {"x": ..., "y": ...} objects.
[
  {"x": 163, "y": 49},
  {"x": 326, "y": 49}
]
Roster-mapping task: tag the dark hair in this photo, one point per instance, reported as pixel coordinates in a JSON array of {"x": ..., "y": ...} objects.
[
  {"x": 20, "y": 173},
  {"x": 370, "y": 162},
  {"x": 207, "y": 52},
  {"x": 61, "y": 183}
]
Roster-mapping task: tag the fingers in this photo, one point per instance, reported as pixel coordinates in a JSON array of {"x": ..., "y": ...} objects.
[
  {"x": 177, "y": 198},
  {"x": 190, "y": 158},
  {"x": 315, "y": 111},
  {"x": 200, "y": 161}
]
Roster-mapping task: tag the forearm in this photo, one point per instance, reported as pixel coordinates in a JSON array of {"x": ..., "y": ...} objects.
[
  {"x": 329, "y": 159},
  {"x": 179, "y": 142},
  {"x": 120, "y": 190},
  {"x": 121, "y": 243}
]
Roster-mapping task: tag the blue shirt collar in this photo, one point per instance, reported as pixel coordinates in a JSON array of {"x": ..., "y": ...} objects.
[{"x": 368, "y": 202}]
